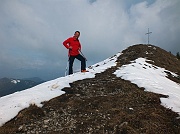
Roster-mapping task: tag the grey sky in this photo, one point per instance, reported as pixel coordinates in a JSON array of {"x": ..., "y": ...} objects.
[{"x": 32, "y": 31}]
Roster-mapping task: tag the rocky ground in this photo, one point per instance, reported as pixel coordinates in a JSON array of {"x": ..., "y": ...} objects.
[{"x": 105, "y": 104}]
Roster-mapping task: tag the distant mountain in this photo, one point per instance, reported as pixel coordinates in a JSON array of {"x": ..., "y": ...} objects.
[
  {"x": 10, "y": 85},
  {"x": 35, "y": 79}
]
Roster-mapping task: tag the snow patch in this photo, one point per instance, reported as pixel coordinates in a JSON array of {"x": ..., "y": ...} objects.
[
  {"x": 153, "y": 79},
  {"x": 15, "y": 81}
]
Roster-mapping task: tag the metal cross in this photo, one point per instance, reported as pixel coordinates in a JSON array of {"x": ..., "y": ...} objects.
[{"x": 148, "y": 33}]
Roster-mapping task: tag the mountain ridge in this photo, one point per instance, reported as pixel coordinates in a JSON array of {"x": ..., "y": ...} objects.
[
  {"x": 11, "y": 85},
  {"x": 106, "y": 103}
]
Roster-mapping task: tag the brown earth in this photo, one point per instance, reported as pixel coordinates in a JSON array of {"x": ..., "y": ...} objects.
[{"x": 105, "y": 104}]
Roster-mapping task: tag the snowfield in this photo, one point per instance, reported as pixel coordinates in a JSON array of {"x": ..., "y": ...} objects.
[
  {"x": 18, "y": 101},
  {"x": 153, "y": 79}
]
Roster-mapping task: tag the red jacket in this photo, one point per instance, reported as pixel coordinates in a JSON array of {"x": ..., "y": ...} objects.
[{"x": 75, "y": 44}]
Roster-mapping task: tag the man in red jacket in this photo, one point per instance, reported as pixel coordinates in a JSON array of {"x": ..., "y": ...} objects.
[{"x": 74, "y": 47}]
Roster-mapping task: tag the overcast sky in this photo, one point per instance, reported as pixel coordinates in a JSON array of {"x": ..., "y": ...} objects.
[{"x": 32, "y": 31}]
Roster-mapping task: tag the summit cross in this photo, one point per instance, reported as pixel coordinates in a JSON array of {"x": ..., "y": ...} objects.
[{"x": 148, "y": 33}]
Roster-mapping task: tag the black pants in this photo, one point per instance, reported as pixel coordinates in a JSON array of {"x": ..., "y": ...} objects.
[{"x": 71, "y": 61}]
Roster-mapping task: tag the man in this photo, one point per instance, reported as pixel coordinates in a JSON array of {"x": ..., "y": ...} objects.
[{"x": 74, "y": 47}]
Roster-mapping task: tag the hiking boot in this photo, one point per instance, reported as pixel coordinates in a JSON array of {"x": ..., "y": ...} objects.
[{"x": 83, "y": 71}]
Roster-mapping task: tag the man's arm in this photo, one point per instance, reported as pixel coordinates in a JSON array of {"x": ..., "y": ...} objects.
[{"x": 66, "y": 43}]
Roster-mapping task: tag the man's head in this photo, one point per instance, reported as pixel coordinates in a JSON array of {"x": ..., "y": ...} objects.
[{"x": 77, "y": 34}]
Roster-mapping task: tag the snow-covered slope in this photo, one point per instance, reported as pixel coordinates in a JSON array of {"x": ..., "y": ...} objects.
[
  {"x": 153, "y": 79},
  {"x": 16, "y": 102}
]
